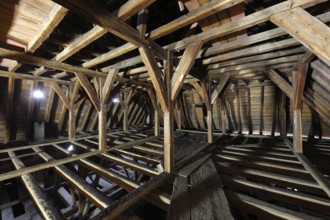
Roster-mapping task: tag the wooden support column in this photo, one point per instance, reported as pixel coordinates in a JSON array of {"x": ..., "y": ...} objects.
[
  {"x": 178, "y": 111},
  {"x": 72, "y": 122},
  {"x": 261, "y": 115},
  {"x": 297, "y": 126},
  {"x": 169, "y": 120},
  {"x": 30, "y": 110},
  {"x": 249, "y": 113},
  {"x": 238, "y": 106},
  {"x": 125, "y": 109},
  {"x": 105, "y": 90},
  {"x": 209, "y": 126},
  {"x": 154, "y": 102},
  {"x": 208, "y": 92},
  {"x": 72, "y": 109},
  {"x": 282, "y": 115},
  {"x": 157, "y": 124},
  {"x": 9, "y": 112},
  {"x": 276, "y": 91},
  {"x": 298, "y": 84},
  {"x": 223, "y": 114},
  {"x": 102, "y": 114}
]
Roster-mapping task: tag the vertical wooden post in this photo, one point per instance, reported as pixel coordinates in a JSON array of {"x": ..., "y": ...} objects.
[
  {"x": 102, "y": 126},
  {"x": 178, "y": 112},
  {"x": 125, "y": 108},
  {"x": 9, "y": 111},
  {"x": 223, "y": 115},
  {"x": 179, "y": 120},
  {"x": 297, "y": 127},
  {"x": 73, "y": 91},
  {"x": 274, "y": 117},
  {"x": 156, "y": 122},
  {"x": 209, "y": 126},
  {"x": 238, "y": 106},
  {"x": 261, "y": 115},
  {"x": 249, "y": 113},
  {"x": 72, "y": 122},
  {"x": 209, "y": 114},
  {"x": 104, "y": 87},
  {"x": 169, "y": 120},
  {"x": 282, "y": 114}
]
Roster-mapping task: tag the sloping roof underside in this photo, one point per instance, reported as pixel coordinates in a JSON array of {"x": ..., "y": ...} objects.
[{"x": 46, "y": 30}]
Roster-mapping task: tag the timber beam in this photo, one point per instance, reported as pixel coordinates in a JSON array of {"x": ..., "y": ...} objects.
[
  {"x": 111, "y": 23},
  {"x": 307, "y": 29},
  {"x": 41, "y": 200}
]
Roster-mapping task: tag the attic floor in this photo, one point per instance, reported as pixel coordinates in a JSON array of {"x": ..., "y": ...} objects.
[
  {"x": 250, "y": 178},
  {"x": 256, "y": 178}
]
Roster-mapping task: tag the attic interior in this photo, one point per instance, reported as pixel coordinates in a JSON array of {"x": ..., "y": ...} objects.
[{"x": 176, "y": 109}]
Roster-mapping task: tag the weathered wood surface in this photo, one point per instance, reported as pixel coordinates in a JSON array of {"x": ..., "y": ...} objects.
[{"x": 198, "y": 194}]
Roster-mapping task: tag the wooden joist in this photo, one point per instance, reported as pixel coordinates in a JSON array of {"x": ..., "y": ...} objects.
[
  {"x": 156, "y": 198},
  {"x": 264, "y": 209},
  {"x": 125, "y": 202},
  {"x": 315, "y": 203},
  {"x": 43, "y": 203},
  {"x": 316, "y": 174},
  {"x": 135, "y": 166},
  {"x": 96, "y": 197}
]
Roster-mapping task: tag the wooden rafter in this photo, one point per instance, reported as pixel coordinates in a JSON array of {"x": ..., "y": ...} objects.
[
  {"x": 55, "y": 17},
  {"x": 307, "y": 29},
  {"x": 190, "y": 18},
  {"x": 243, "y": 23},
  {"x": 127, "y": 10},
  {"x": 263, "y": 36},
  {"x": 111, "y": 23}
]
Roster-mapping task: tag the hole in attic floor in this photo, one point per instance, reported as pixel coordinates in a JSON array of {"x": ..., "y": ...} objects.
[
  {"x": 147, "y": 211},
  {"x": 18, "y": 210}
]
